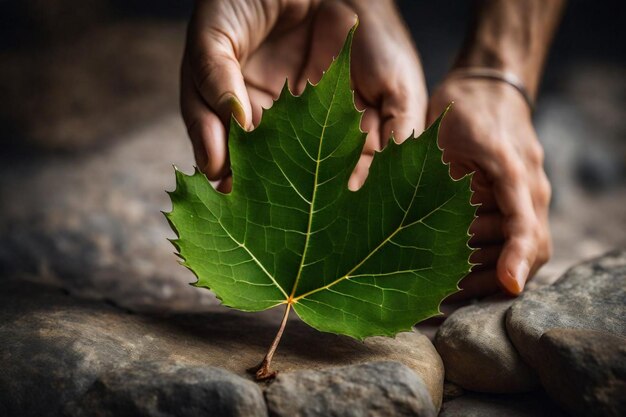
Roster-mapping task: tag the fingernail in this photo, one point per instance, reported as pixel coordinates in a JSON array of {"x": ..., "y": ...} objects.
[
  {"x": 521, "y": 275},
  {"x": 236, "y": 108}
]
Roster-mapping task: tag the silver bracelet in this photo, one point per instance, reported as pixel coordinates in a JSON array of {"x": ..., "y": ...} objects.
[{"x": 497, "y": 75}]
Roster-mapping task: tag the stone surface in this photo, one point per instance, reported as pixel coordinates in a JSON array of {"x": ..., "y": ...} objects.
[
  {"x": 90, "y": 223},
  {"x": 477, "y": 353},
  {"x": 584, "y": 371},
  {"x": 589, "y": 296},
  {"x": 167, "y": 389},
  {"x": 534, "y": 404},
  {"x": 54, "y": 347},
  {"x": 372, "y": 389}
]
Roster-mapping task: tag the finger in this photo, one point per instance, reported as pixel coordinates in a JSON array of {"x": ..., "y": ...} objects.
[
  {"x": 483, "y": 192},
  {"x": 259, "y": 100},
  {"x": 402, "y": 98},
  {"x": 280, "y": 57},
  {"x": 476, "y": 285},
  {"x": 520, "y": 225},
  {"x": 359, "y": 175},
  {"x": 485, "y": 257},
  {"x": 541, "y": 199},
  {"x": 333, "y": 21},
  {"x": 403, "y": 116},
  {"x": 217, "y": 75},
  {"x": 206, "y": 131},
  {"x": 369, "y": 123},
  {"x": 487, "y": 228},
  {"x": 544, "y": 248},
  {"x": 225, "y": 185},
  {"x": 486, "y": 201},
  {"x": 403, "y": 106}
]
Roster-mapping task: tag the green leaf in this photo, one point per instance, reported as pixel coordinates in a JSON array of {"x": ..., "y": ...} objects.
[{"x": 364, "y": 263}]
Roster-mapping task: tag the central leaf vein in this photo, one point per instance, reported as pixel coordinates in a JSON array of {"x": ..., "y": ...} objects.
[{"x": 312, "y": 211}]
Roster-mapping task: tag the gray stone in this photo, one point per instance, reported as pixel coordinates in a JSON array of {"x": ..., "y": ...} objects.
[
  {"x": 90, "y": 222},
  {"x": 54, "y": 347},
  {"x": 589, "y": 296},
  {"x": 584, "y": 371},
  {"x": 478, "y": 354},
  {"x": 167, "y": 389},
  {"x": 534, "y": 404},
  {"x": 372, "y": 389}
]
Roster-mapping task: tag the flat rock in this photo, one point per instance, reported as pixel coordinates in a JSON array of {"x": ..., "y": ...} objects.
[
  {"x": 54, "y": 347},
  {"x": 584, "y": 371},
  {"x": 477, "y": 352},
  {"x": 534, "y": 404},
  {"x": 169, "y": 389},
  {"x": 589, "y": 296},
  {"x": 372, "y": 389},
  {"x": 90, "y": 222}
]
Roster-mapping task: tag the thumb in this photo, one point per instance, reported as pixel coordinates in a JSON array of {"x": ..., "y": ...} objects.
[{"x": 217, "y": 75}]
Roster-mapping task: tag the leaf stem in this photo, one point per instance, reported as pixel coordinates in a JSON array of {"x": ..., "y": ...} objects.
[{"x": 263, "y": 371}]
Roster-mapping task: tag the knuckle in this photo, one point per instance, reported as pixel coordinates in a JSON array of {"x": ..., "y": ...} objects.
[
  {"x": 207, "y": 64},
  {"x": 542, "y": 192},
  {"x": 513, "y": 168},
  {"x": 546, "y": 191},
  {"x": 204, "y": 68},
  {"x": 536, "y": 154},
  {"x": 501, "y": 153}
]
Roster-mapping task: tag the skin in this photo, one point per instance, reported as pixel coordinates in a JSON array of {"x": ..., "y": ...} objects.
[
  {"x": 490, "y": 132},
  {"x": 239, "y": 52}
]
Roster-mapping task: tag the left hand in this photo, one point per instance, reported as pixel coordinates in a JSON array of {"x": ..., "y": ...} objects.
[
  {"x": 239, "y": 53},
  {"x": 489, "y": 131}
]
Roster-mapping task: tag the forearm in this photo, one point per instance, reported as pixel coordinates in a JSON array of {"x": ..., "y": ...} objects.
[{"x": 512, "y": 36}]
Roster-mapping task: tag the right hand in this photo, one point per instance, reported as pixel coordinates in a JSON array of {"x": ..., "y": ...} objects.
[
  {"x": 239, "y": 53},
  {"x": 489, "y": 131}
]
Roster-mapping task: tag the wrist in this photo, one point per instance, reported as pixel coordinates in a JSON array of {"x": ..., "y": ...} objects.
[
  {"x": 500, "y": 56},
  {"x": 478, "y": 95},
  {"x": 511, "y": 36},
  {"x": 503, "y": 77}
]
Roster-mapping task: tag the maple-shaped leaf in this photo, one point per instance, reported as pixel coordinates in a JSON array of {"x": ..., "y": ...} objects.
[{"x": 359, "y": 263}]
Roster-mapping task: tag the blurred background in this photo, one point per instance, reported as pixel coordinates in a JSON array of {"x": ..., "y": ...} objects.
[{"x": 89, "y": 130}]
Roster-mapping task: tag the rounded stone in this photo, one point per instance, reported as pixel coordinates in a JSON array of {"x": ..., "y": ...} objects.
[
  {"x": 53, "y": 347},
  {"x": 589, "y": 296},
  {"x": 374, "y": 389},
  {"x": 584, "y": 371},
  {"x": 156, "y": 389},
  {"x": 477, "y": 352}
]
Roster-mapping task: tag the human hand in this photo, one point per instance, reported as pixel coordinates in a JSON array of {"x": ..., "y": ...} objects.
[
  {"x": 489, "y": 130},
  {"x": 239, "y": 53}
]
